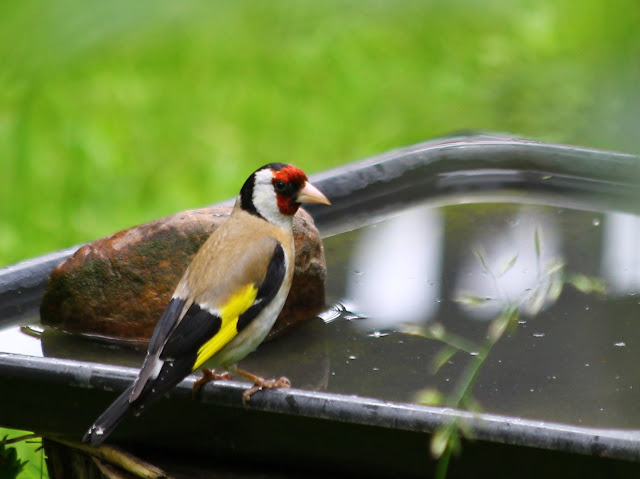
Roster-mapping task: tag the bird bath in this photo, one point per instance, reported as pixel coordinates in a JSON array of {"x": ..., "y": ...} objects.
[{"x": 482, "y": 273}]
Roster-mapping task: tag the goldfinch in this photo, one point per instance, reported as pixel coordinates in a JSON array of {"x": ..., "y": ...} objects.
[{"x": 228, "y": 298}]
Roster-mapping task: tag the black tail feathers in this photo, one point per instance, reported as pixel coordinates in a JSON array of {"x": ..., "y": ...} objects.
[
  {"x": 108, "y": 420},
  {"x": 172, "y": 373}
]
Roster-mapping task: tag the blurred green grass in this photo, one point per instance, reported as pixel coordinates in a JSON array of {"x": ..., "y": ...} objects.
[
  {"x": 28, "y": 453},
  {"x": 116, "y": 113}
]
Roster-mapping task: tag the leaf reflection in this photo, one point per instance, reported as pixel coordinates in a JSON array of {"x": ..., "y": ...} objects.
[{"x": 551, "y": 277}]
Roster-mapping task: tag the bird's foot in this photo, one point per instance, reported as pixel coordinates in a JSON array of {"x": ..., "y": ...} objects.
[
  {"x": 261, "y": 383},
  {"x": 208, "y": 375}
]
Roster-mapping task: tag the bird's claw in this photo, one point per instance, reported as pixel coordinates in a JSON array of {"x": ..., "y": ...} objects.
[
  {"x": 208, "y": 375},
  {"x": 260, "y": 383}
]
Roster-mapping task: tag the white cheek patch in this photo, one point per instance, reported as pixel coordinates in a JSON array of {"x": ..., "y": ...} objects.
[{"x": 265, "y": 200}]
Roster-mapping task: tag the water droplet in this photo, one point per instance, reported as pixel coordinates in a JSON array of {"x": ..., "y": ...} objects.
[
  {"x": 352, "y": 357},
  {"x": 596, "y": 222},
  {"x": 538, "y": 335},
  {"x": 522, "y": 321},
  {"x": 333, "y": 312},
  {"x": 620, "y": 344},
  {"x": 378, "y": 334},
  {"x": 586, "y": 365},
  {"x": 376, "y": 369},
  {"x": 474, "y": 353}
]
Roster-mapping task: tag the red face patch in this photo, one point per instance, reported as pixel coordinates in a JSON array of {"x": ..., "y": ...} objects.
[
  {"x": 293, "y": 179},
  {"x": 290, "y": 174}
]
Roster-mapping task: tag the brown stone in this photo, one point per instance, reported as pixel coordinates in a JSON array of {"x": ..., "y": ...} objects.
[{"x": 117, "y": 287}]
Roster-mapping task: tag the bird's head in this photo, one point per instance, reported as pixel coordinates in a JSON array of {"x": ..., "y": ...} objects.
[{"x": 275, "y": 192}]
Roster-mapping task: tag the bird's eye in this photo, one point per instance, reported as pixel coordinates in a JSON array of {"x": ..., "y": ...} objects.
[{"x": 279, "y": 185}]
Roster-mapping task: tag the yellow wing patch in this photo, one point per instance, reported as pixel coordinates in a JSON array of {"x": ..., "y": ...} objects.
[{"x": 229, "y": 313}]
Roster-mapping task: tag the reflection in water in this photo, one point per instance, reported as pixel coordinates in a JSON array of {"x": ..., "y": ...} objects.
[
  {"x": 396, "y": 270},
  {"x": 513, "y": 265},
  {"x": 570, "y": 364},
  {"x": 621, "y": 253},
  {"x": 13, "y": 340}
]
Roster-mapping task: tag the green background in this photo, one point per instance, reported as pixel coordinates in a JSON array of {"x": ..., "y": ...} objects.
[{"x": 116, "y": 113}]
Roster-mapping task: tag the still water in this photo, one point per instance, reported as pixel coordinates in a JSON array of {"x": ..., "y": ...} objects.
[{"x": 511, "y": 307}]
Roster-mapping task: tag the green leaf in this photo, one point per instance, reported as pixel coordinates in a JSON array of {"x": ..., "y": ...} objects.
[
  {"x": 413, "y": 329},
  {"x": 509, "y": 264},
  {"x": 435, "y": 331},
  {"x": 587, "y": 284},
  {"x": 480, "y": 256},
  {"x": 442, "y": 357},
  {"x": 10, "y": 465},
  {"x": 470, "y": 404},
  {"x": 30, "y": 454},
  {"x": 513, "y": 321},
  {"x": 555, "y": 288},
  {"x": 429, "y": 397},
  {"x": 536, "y": 301},
  {"x": 472, "y": 300},
  {"x": 498, "y": 326},
  {"x": 554, "y": 266},
  {"x": 440, "y": 440},
  {"x": 537, "y": 243}
]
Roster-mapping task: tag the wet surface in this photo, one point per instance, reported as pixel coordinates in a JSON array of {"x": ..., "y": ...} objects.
[
  {"x": 570, "y": 279},
  {"x": 535, "y": 307}
]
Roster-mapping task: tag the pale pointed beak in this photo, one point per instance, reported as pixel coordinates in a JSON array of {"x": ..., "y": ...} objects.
[{"x": 311, "y": 194}]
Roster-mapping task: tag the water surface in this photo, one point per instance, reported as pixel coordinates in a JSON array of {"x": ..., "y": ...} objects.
[{"x": 568, "y": 277}]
